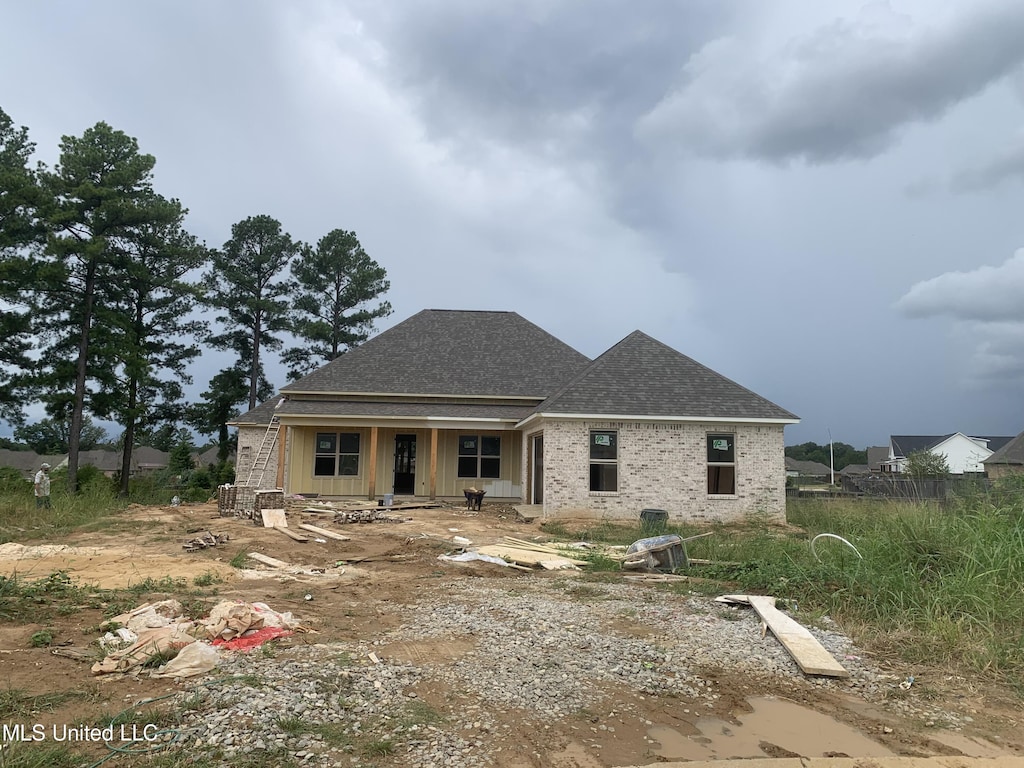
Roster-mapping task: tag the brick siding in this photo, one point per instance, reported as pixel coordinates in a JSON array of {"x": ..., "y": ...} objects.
[{"x": 664, "y": 466}]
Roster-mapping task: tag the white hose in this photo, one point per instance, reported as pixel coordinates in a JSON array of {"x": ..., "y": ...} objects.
[{"x": 832, "y": 536}]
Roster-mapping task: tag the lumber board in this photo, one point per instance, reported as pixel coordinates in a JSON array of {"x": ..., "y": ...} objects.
[
  {"x": 807, "y": 652},
  {"x": 525, "y": 556},
  {"x": 291, "y": 534},
  {"x": 324, "y": 532},
  {"x": 272, "y": 518},
  {"x": 273, "y": 562}
]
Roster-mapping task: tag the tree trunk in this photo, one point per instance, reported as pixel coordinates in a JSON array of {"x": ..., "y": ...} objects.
[
  {"x": 254, "y": 373},
  {"x": 78, "y": 406}
]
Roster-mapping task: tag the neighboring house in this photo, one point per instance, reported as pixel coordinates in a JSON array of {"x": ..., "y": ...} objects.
[
  {"x": 877, "y": 455},
  {"x": 855, "y": 470},
  {"x": 451, "y": 400},
  {"x": 27, "y": 462},
  {"x": 963, "y": 454},
  {"x": 1008, "y": 460},
  {"x": 146, "y": 459},
  {"x": 813, "y": 470},
  {"x": 209, "y": 458}
]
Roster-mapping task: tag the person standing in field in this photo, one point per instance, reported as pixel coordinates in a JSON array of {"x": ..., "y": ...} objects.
[{"x": 43, "y": 486}]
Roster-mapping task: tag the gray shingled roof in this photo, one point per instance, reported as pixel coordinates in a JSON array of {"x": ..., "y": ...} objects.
[
  {"x": 876, "y": 455},
  {"x": 809, "y": 468},
  {"x": 452, "y": 352},
  {"x": 1011, "y": 452},
  {"x": 259, "y": 415},
  {"x": 640, "y": 376},
  {"x": 904, "y": 445},
  {"x": 513, "y": 413}
]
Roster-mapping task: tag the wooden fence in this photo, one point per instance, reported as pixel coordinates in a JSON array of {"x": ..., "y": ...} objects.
[{"x": 912, "y": 489}]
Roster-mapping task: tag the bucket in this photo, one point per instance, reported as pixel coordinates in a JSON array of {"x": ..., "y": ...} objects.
[
  {"x": 653, "y": 517},
  {"x": 389, "y": 499}
]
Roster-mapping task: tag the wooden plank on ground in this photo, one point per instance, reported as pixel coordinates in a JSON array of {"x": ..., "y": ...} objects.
[
  {"x": 324, "y": 532},
  {"x": 291, "y": 534},
  {"x": 273, "y": 562},
  {"x": 807, "y": 652},
  {"x": 526, "y": 556},
  {"x": 272, "y": 518}
]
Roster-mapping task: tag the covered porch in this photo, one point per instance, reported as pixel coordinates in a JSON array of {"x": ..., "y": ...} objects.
[{"x": 414, "y": 458}]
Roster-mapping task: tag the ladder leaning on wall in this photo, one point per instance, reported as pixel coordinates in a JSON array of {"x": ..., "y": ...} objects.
[{"x": 263, "y": 454}]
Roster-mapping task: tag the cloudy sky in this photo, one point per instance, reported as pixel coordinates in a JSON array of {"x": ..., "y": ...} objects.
[{"x": 821, "y": 201}]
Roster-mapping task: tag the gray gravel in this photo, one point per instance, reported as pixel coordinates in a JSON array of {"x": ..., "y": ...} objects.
[{"x": 542, "y": 651}]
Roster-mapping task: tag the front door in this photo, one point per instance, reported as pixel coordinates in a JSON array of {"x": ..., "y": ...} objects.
[
  {"x": 405, "y": 464},
  {"x": 538, "y": 470}
]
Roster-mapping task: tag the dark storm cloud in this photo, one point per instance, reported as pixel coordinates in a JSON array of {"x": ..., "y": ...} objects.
[
  {"x": 547, "y": 73},
  {"x": 844, "y": 92}
]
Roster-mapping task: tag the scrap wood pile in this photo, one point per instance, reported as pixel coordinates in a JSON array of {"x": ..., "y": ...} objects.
[
  {"x": 160, "y": 632},
  {"x": 204, "y": 541}
]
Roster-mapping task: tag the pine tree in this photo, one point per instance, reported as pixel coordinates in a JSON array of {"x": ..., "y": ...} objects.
[
  {"x": 335, "y": 285},
  {"x": 102, "y": 197},
  {"x": 245, "y": 283}
]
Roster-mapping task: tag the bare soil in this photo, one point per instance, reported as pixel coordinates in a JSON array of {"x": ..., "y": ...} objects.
[{"x": 388, "y": 563}]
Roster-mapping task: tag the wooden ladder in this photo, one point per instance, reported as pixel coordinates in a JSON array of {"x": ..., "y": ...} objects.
[{"x": 262, "y": 457}]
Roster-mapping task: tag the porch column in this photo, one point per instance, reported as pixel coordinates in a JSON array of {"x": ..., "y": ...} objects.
[
  {"x": 282, "y": 438},
  {"x": 373, "y": 463},
  {"x": 433, "y": 463}
]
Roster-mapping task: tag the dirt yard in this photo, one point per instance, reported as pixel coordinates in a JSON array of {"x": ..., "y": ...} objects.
[{"x": 386, "y": 564}]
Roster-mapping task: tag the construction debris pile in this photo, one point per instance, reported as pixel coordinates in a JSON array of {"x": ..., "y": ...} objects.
[
  {"x": 205, "y": 541},
  {"x": 159, "y": 632}
]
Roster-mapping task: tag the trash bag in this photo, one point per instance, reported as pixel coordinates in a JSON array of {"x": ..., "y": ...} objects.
[{"x": 194, "y": 659}]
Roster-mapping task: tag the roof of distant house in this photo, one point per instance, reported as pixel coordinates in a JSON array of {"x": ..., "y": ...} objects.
[
  {"x": 807, "y": 468},
  {"x": 876, "y": 455},
  {"x": 904, "y": 445},
  {"x": 1012, "y": 452}
]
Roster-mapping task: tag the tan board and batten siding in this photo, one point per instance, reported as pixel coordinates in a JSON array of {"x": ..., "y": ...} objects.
[{"x": 302, "y": 448}]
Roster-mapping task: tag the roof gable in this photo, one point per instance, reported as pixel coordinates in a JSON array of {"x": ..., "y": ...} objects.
[
  {"x": 452, "y": 352},
  {"x": 1012, "y": 452},
  {"x": 904, "y": 445},
  {"x": 642, "y": 377}
]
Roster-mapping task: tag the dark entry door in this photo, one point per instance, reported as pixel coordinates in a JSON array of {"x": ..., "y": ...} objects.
[
  {"x": 405, "y": 464},
  {"x": 538, "y": 470}
]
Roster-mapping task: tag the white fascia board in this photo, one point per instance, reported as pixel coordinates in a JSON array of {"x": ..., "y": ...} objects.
[
  {"x": 321, "y": 395},
  {"x": 627, "y": 417}
]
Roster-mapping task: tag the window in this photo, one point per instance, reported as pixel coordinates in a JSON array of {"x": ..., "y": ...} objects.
[
  {"x": 722, "y": 464},
  {"x": 337, "y": 453},
  {"x": 479, "y": 456},
  {"x": 604, "y": 460}
]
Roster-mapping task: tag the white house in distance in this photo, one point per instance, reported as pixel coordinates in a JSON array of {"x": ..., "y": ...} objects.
[
  {"x": 964, "y": 454},
  {"x": 447, "y": 401}
]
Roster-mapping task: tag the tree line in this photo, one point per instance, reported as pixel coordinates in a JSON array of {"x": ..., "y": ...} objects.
[
  {"x": 105, "y": 296},
  {"x": 843, "y": 454}
]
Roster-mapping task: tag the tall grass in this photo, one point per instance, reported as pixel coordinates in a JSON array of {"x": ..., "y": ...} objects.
[{"x": 96, "y": 500}]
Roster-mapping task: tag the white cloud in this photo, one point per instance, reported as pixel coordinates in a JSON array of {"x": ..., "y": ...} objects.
[
  {"x": 987, "y": 294},
  {"x": 988, "y": 314},
  {"x": 843, "y": 92}
]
